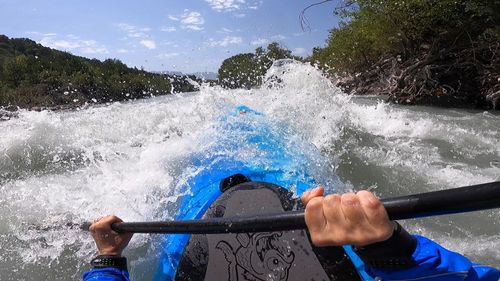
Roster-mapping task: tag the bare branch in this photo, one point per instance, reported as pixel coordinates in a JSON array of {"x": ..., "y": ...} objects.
[{"x": 304, "y": 22}]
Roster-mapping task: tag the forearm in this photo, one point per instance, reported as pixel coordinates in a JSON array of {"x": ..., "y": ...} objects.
[{"x": 421, "y": 259}]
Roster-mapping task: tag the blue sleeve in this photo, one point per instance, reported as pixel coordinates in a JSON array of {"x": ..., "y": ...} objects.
[
  {"x": 435, "y": 263},
  {"x": 106, "y": 274}
]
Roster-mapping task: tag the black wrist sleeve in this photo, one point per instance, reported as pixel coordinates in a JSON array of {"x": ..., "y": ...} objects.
[
  {"x": 103, "y": 261},
  {"x": 392, "y": 254}
]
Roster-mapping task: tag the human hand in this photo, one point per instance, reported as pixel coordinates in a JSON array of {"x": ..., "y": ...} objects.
[
  {"x": 358, "y": 219},
  {"x": 109, "y": 242}
]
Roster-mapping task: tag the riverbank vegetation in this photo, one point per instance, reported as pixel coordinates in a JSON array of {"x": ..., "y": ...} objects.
[
  {"x": 433, "y": 52},
  {"x": 247, "y": 70},
  {"x": 34, "y": 76}
]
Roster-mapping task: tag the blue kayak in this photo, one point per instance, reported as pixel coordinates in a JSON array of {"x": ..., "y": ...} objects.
[{"x": 247, "y": 144}]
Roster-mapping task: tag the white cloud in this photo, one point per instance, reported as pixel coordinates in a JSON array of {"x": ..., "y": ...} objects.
[
  {"x": 168, "y": 55},
  {"x": 150, "y": 44},
  {"x": 122, "y": 51},
  {"x": 193, "y": 27},
  {"x": 259, "y": 41},
  {"x": 225, "y": 5},
  {"x": 278, "y": 37},
  {"x": 299, "y": 51},
  {"x": 92, "y": 47},
  {"x": 168, "y": 29},
  {"x": 73, "y": 43},
  {"x": 139, "y": 34},
  {"x": 234, "y": 5},
  {"x": 239, "y": 15},
  {"x": 226, "y": 41},
  {"x": 192, "y": 20},
  {"x": 36, "y": 33},
  {"x": 59, "y": 44},
  {"x": 225, "y": 30},
  {"x": 188, "y": 20},
  {"x": 134, "y": 31}
]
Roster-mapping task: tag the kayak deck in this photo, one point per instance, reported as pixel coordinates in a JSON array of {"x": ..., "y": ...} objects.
[{"x": 250, "y": 145}]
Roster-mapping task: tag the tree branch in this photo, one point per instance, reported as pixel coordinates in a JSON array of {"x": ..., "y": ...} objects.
[{"x": 304, "y": 22}]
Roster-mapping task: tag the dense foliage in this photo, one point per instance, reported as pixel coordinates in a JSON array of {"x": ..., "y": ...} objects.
[
  {"x": 247, "y": 70},
  {"x": 33, "y": 75},
  {"x": 372, "y": 28},
  {"x": 437, "y": 52}
]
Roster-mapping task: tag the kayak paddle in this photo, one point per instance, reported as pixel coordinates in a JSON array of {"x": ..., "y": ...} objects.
[{"x": 450, "y": 201}]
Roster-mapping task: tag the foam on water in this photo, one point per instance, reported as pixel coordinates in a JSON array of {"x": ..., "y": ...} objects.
[{"x": 128, "y": 159}]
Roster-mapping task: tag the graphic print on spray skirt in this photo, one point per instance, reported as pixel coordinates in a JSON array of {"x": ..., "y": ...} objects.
[{"x": 260, "y": 256}]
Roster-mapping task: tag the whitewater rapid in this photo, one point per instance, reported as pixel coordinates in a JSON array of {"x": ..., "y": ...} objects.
[{"x": 128, "y": 158}]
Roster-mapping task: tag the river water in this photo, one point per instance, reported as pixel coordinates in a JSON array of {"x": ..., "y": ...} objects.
[{"x": 126, "y": 158}]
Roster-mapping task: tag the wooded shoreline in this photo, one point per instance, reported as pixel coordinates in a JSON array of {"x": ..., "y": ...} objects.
[
  {"x": 417, "y": 52},
  {"x": 36, "y": 77},
  {"x": 441, "y": 53}
]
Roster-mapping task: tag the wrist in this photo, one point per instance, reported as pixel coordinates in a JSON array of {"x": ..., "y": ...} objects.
[
  {"x": 393, "y": 229},
  {"x": 105, "y": 261},
  {"x": 110, "y": 252},
  {"x": 394, "y": 253}
]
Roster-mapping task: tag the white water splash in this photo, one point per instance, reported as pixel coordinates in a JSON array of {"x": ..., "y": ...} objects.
[{"x": 127, "y": 158}]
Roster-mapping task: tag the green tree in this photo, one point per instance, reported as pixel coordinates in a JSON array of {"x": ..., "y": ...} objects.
[
  {"x": 276, "y": 52},
  {"x": 14, "y": 70},
  {"x": 374, "y": 28},
  {"x": 239, "y": 71},
  {"x": 247, "y": 70},
  {"x": 34, "y": 75}
]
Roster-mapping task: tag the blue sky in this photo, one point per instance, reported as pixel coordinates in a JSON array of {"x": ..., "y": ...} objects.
[{"x": 168, "y": 35}]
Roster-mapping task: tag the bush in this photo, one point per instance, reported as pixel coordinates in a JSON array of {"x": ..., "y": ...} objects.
[
  {"x": 33, "y": 75},
  {"x": 247, "y": 70},
  {"x": 373, "y": 28}
]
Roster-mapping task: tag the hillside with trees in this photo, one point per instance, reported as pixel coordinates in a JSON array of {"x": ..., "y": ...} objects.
[
  {"x": 34, "y": 76},
  {"x": 444, "y": 53},
  {"x": 247, "y": 70}
]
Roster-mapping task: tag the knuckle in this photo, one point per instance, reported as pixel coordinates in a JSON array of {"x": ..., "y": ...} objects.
[
  {"x": 98, "y": 228},
  {"x": 305, "y": 196},
  {"x": 369, "y": 200},
  {"x": 349, "y": 199},
  {"x": 314, "y": 238},
  {"x": 342, "y": 238},
  {"x": 315, "y": 203},
  {"x": 318, "y": 239},
  {"x": 332, "y": 199}
]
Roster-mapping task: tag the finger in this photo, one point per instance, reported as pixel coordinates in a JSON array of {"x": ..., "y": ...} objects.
[
  {"x": 92, "y": 228},
  {"x": 314, "y": 216},
  {"x": 372, "y": 207},
  {"x": 98, "y": 224},
  {"x": 333, "y": 212},
  {"x": 376, "y": 216},
  {"x": 104, "y": 223},
  {"x": 305, "y": 197},
  {"x": 109, "y": 221},
  {"x": 351, "y": 209},
  {"x": 112, "y": 219},
  {"x": 316, "y": 192}
]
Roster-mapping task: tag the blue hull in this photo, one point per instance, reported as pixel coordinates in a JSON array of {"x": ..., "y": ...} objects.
[{"x": 247, "y": 144}]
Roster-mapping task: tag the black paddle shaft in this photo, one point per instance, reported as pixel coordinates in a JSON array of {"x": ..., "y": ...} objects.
[{"x": 451, "y": 201}]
